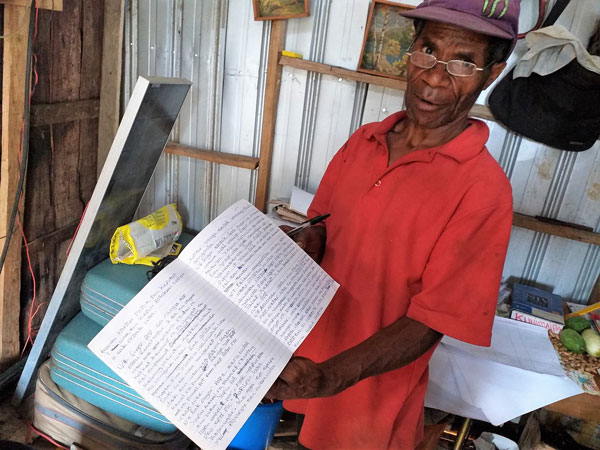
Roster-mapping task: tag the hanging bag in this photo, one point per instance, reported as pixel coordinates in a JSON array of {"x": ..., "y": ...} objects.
[{"x": 560, "y": 109}]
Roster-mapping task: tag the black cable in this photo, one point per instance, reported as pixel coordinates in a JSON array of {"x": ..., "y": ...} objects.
[
  {"x": 24, "y": 143},
  {"x": 160, "y": 265}
]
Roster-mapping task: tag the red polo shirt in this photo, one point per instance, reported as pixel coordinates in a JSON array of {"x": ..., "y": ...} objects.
[{"x": 425, "y": 238}]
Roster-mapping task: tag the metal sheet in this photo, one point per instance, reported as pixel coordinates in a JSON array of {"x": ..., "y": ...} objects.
[
  {"x": 219, "y": 46},
  {"x": 133, "y": 156}
]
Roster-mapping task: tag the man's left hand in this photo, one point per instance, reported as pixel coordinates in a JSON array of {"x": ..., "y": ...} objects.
[{"x": 303, "y": 378}]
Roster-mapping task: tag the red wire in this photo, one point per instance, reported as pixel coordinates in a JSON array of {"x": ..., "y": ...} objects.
[
  {"x": 32, "y": 313},
  {"x": 48, "y": 438},
  {"x": 77, "y": 229}
]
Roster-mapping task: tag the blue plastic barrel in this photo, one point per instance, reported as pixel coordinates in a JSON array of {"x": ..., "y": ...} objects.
[{"x": 257, "y": 432}]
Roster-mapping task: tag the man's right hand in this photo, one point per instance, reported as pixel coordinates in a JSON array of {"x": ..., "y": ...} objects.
[{"x": 311, "y": 239}]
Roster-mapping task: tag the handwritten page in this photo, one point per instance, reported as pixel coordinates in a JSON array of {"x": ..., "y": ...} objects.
[{"x": 208, "y": 336}]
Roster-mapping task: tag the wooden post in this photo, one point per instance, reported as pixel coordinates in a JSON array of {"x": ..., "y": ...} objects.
[
  {"x": 55, "y": 5},
  {"x": 276, "y": 43},
  {"x": 16, "y": 30},
  {"x": 595, "y": 294},
  {"x": 110, "y": 86}
]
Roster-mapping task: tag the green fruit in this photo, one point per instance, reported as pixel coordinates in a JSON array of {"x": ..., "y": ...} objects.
[
  {"x": 577, "y": 323},
  {"x": 572, "y": 340}
]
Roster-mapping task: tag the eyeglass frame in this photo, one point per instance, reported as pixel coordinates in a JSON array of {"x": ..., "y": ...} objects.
[{"x": 445, "y": 63}]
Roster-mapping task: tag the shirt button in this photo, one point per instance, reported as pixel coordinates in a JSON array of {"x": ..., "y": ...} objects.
[{"x": 378, "y": 183}]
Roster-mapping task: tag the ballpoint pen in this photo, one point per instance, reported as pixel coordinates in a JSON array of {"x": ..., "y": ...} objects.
[
  {"x": 307, "y": 224},
  {"x": 581, "y": 312}
]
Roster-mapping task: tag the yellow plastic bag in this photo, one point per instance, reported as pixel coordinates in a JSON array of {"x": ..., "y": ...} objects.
[{"x": 148, "y": 239}]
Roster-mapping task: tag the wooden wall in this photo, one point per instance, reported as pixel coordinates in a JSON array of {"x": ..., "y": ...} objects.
[{"x": 62, "y": 156}]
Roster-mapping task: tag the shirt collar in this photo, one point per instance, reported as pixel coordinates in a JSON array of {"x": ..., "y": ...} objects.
[{"x": 463, "y": 147}]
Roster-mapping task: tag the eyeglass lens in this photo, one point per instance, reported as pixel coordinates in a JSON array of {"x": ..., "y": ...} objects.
[{"x": 454, "y": 67}]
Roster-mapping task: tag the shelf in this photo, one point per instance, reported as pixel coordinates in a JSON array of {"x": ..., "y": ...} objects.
[
  {"x": 480, "y": 111},
  {"x": 229, "y": 159}
]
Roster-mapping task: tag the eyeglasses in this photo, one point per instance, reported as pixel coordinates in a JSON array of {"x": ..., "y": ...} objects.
[{"x": 455, "y": 67}]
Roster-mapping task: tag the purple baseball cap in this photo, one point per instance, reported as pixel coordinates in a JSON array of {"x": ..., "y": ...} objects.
[{"x": 490, "y": 17}]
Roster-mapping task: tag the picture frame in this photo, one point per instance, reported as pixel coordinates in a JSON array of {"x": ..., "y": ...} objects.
[
  {"x": 388, "y": 37},
  {"x": 280, "y": 9}
]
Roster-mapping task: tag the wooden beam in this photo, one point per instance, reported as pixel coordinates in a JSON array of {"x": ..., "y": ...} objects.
[
  {"x": 565, "y": 231},
  {"x": 54, "y": 5},
  {"x": 48, "y": 114},
  {"x": 340, "y": 72},
  {"x": 276, "y": 43},
  {"x": 13, "y": 110},
  {"x": 228, "y": 159},
  {"x": 595, "y": 294},
  {"x": 582, "y": 406},
  {"x": 110, "y": 86},
  {"x": 480, "y": 111},
  {"x": 56, "y": 237}
]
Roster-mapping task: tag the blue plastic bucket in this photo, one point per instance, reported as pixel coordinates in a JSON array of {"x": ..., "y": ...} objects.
[{"x": 257, "y": 432}]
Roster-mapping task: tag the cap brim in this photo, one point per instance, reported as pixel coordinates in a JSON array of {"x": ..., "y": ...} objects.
[{"x": 458, "y": 18}]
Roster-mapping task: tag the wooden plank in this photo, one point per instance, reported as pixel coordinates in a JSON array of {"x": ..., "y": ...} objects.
[
  {"x": 340, "y": 72},
  {"x": 13, "y": 106},
  {"x": 40, "y": 217},
  {"x": 48, "y": 114},
  {"x": 228, "y": 159},
  {"x": 595, "y": 294},
  {"x": 531, "y": 223},
  {"x": 273, "y": 82},
  {"x": 91, "y": 70},
  {"x": 582, "y": 406},
  {"x": 56, "y": 237},
  {"x": 110, "y": 87},
  {"x": 65, "y": 85},
  {"x": 54, "y": 5},
  {"x": 480, "y": 111}
]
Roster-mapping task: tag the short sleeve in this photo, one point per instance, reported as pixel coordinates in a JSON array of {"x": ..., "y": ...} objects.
[
  {"x": 321, "y": 202},
  {"x": 461, "y": 280}
]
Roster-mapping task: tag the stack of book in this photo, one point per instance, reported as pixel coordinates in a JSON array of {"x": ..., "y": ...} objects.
[
  {"x": 283, "y": 210},
  {"x": 537, "y": 307},
  {"x": 294, "y": 209}
]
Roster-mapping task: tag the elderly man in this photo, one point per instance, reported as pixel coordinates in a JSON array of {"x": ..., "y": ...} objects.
[{"x": 420, "y": 222}]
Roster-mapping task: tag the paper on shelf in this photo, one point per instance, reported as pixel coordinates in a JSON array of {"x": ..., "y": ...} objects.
[
  {"x": 516, "y": 344},
  {"x": 207, "y": 337},
  {"x": 300, "y": 200},
  {"x": 518, "y": 373}
]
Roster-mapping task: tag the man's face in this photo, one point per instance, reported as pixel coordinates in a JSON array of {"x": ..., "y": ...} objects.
[{"x": 434, "y": 98}]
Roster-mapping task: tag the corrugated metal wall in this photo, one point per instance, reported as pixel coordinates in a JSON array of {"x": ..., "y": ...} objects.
[{"x": 222, "y": 50}]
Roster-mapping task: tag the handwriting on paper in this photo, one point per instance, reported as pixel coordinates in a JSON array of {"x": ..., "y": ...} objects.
[{"x": 206, "y": 338}]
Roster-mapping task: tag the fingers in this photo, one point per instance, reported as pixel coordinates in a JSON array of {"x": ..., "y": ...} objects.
[
  {"x": 289, "y": 384},
  {"x": 280, "y": 391},
  {"x": 296, "y": 238},
  {"x": 301, "y": 378}
]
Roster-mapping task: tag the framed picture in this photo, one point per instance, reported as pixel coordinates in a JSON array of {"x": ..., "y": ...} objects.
[
  {"x": 279, "y": 9},
  {"x": 388, "y": 36}
]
